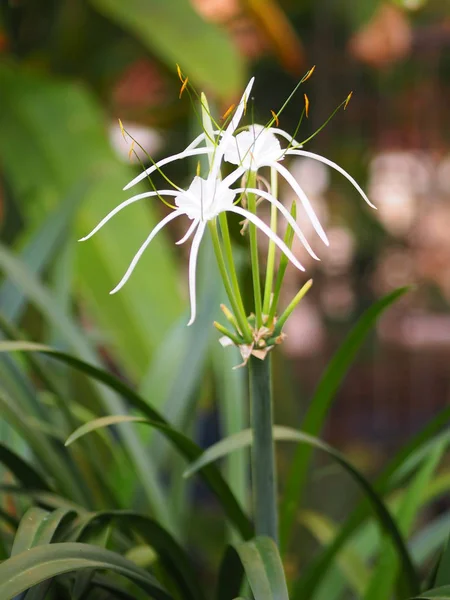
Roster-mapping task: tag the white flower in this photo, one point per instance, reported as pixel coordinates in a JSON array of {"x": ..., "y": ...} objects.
[
  {"x": 204, "y": 200},
  {"x": 259, "y": 147},
  {"x": 193, "y": 150}
]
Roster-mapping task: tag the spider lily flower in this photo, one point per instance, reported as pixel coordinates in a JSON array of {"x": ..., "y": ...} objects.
[
  {"x": 203, "y": 201},
  {"x": 218, "y": 150},
  {"x": 258, "y": 147}
]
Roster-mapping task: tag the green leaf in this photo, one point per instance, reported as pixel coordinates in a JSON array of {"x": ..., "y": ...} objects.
[
  {"x": 244, "y": 439},
  {"x": 22, "y": 471},
  {"x": 43, "y": 300},
  {"x": 350, "y": 563},
  {"x": 438, "y": 593},
  {"x": 38, "y": 527},
  {"x": 318, "y": 409},
  {"x": 40, "y": 250},
  {"x": 443, "y": 572},
  {"x": 30, "y": 568},
  {"x": 177, "y": 34},
  {"x": 44, "y": 450},
  {"x": 262, "y": 565},
  {"x": 186, "y": 447},
  {"x": 306, "y": 585},
  {"x": 383, "y": 577},
  {"x": 172, "y": 556},
  {"x": 63, "y": 130}
]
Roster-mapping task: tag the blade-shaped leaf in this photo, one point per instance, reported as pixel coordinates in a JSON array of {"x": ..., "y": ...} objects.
[
  {"x": 30, "y": 568},
  {"x": 65, "y": 135},
  {"x": 318, "y": 409},
  {"x": 244, "y": 439},
  {"x": 177, "y": 33},
  {"x": 186, "y": 447}
]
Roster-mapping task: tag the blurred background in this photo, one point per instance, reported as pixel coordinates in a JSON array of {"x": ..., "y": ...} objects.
[{"x": 70, "y": 68}]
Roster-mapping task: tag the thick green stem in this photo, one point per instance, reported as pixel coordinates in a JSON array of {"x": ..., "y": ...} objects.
[{"x": 264, "y": 479}]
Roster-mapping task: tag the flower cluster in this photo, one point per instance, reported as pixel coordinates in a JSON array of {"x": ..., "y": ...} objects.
[{"x": 249, "y": 148}]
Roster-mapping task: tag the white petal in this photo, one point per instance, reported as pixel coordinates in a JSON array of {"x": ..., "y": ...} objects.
[
  {"x": 229, "y": 131},
  {"x": 287, "y": 215},
  {"x": 200, "y": 138},
  {"x": 234, "y": 176},
  {"x": 141, "y": 250},
  {"x": 333, "y": 165},
  {"x": 165, "y": 161},
  {"x": 123, "y": 205},
  {"x": 304, "y": 200},
  {"x": 270, "y": 234},
  {"x": 193, "y": 269},
  {"x": 188, "y": 233},
  {"x": 286, "y": 135}
]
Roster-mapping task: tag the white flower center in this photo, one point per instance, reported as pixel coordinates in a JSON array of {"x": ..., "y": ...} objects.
[
  {"x": 253, "y": 149},
  {"x": 205, "y": 199}
]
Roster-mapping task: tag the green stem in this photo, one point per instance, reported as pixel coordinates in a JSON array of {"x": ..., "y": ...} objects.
[
  {"x": 264, "y": 479},
  {"x": 251, "y": 182},
  {"x": 240, "y": 317},
  {"x": 288, "y": 239},
  {"x": 271, "y": 250},
  {"x": 230, "y": 263}
]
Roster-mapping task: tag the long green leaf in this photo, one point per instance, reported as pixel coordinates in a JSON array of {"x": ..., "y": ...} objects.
[
  {"x": 22, "y": 470},
  {"x": 38, "y": 527},
  {"x": 384, "y": 575},
  {"x": 44, "y": 450},
  {"x": 173, "y": 558},
  {"x": 443, "y": 572},
  {"x": 318, "y": 409},
  {"x": 43, "y": 300},
  {"x": 305, "y": 586},
  {"x": 30, "y": 568},
  {"x": 186, "y": 447},
  {"x": 177, "y": 34},
  {"x": 67, "y": 119},
  {"x": 244, "y": 439},
  {"x": 438, "y": 593},
  {"x": 263, "y": 568}
]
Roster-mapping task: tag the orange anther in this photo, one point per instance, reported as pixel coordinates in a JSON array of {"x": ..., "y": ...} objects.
[
  {"x": 348, "y": 100},
  {"x": 183, "y": 87},
  {"x": 228, "y": 112},
  {"x": 130, "y": 152},
  {"x": 122, "y": 129},
  {"x": 308, "y": 74},
  {"x": 306, "y": 106},
  {"x": 179, "y": 73},
  {"x": 275, "y": 118}
]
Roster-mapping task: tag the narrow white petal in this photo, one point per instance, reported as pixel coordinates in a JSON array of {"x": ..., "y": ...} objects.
[
  {"x": 287, "y": 215},
  {"x": 141, "y": 250},
  {"x": 196, "y": 141},
  {"x": 123, "y": 205},
  {"x": 229, "y": 131},
  {"x": 286, "y": 135},
  {"x": 193, "y": 269},
  {"x": 270, "y": 234},
  {"x": 200, "y": 138},
  {"x": 234, "y": 176},
  {"x": 188, "y": 233},
  {"x": 333, "y": 165},
  {"x": 165, "y": 161},
  {"x": 304, "y": 200}
]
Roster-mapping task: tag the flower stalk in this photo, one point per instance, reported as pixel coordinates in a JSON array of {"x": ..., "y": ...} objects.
[{"x": 264, "y": 476}]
